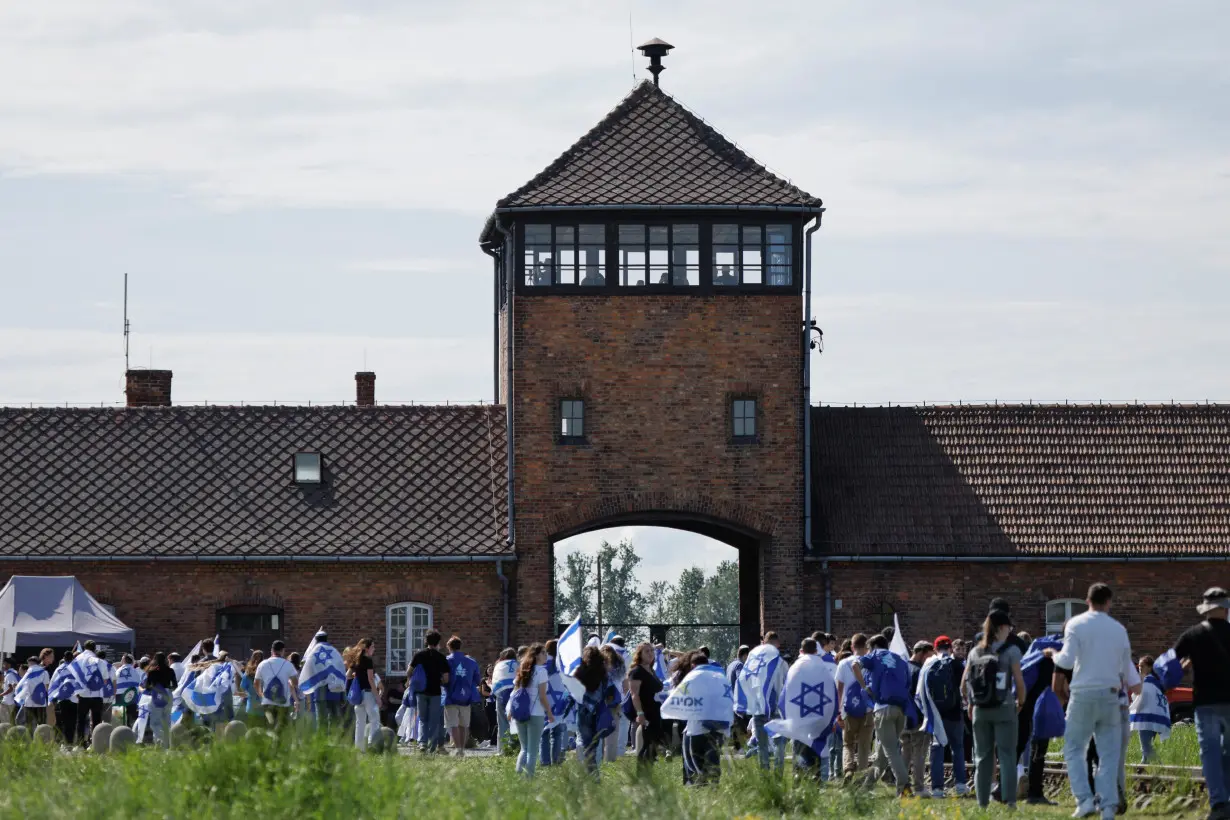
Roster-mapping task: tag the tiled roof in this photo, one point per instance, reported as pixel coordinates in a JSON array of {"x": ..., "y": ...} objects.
[
  {"x": 217, "y": 481},
  {"x": 1045, "y": 480},
  {"x": 650, "y": 150}
]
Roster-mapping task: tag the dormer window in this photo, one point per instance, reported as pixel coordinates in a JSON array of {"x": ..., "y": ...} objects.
[{"x": 307, "y": 468}]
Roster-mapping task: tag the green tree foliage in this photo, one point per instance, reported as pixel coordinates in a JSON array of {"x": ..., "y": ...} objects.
[
  {"x": 575, "y": 585},
  {"x": 623, "y": 602}
]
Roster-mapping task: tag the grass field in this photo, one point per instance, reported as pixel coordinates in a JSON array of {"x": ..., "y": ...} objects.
[
  {"x": 310, "y": 778},
  {"x": 1181, "y": 749}
]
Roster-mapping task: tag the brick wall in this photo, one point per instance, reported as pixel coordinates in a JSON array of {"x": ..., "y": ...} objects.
[
  {"x": 171, "y": 605},
  {"x": 657, "y": 373},
  {"x": 1155, "y": 600}
]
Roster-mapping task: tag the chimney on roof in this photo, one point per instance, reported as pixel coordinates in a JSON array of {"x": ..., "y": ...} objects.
[
  {"x": 365, "y": 388},
  {"x": 655, "y": 50},
  {"x": 148, "y": 388}
]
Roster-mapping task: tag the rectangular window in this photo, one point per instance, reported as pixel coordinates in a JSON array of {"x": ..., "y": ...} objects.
[
  {"x": 752, "y": 255},
  {"x": 406, "y": 626},
  {"x": 572, "y": 419},
  {"x": 307, "y": 468},
  {"x": 659, "y": 255},
  {"x": 743, "y": 415},
  {"x": 564, "y": 255}
]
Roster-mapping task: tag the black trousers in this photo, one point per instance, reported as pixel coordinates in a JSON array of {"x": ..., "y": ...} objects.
[
  {"x": 66, "y": 720},
  {"x": 702, "y": 759},
  {"x": 1037, "y": 762},
  {"x": 89, "y": 714}
]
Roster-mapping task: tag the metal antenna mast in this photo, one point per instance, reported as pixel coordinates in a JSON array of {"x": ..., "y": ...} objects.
[{"x": 126, "y": 327}]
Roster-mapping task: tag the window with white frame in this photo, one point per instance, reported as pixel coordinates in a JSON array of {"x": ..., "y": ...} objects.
[
  {"x": 1060, "y": 611},
  {"x": 406, "y": 625}
]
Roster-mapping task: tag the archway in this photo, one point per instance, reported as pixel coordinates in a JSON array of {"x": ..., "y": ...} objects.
[{"x": 700, "y": 541}]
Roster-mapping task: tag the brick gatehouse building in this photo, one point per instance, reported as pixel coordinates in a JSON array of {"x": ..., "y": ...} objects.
[{"x": 651, "y": 286}]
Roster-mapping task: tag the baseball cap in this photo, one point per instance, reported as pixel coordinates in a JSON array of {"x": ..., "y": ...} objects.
[
  {"x": 1214, "y": 598},
  {"x": 942, "y": 640}
]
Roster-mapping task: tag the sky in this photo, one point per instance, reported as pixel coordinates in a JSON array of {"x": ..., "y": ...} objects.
[{"x": 1025, "y": 201}]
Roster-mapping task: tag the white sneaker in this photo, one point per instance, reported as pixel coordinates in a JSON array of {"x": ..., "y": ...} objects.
[
  {"x": 1085, "y": 808},
  {"x": 937, "y": 794}
]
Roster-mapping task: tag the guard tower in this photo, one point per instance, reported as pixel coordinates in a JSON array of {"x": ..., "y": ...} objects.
[{"x": 652, "y": 349}]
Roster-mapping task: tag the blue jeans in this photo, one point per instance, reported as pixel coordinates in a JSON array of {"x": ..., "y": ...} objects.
[
  {"x": 834, "y": 758},
  {"x": 530, "y": 732},
  {"x": 1147, "y": 736},
  {"x": 501, "y": 718},
  {"x": 431, "y": 714},
  {"x": 1094, "y": 714},
  {"x": 955, "y": 729},
  {"x": 553, "y": 745},
  {"x": 589, "y": 742},
  {"x": 763, "y": 742},
  {"x": 1213, "y": 733},
  {"x": 806, "y": 761}
]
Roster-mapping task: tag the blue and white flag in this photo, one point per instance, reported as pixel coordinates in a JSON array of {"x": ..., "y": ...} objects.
[
  {"x": 322, "y": 667},
  {"x": 897, "y": 645},
  {"x": 1168, "y": 669},
  {"x": 703, "y": 695},
  {"x": 932, "y": 722},
  {"x": 1033, "y": 658},
  {"x": 143, "y": 707},
  {"x": 87, "y": 669},
  {"x": 502, "y": 676},
  {"x": 64, "y": 684},
  {"x": 1150, "y": 710},
  {"x": 32, "y": 689},
  {"x": 127, "y": 677},
  {"x": 661, "y": 666},
  {"x": 809, "y": 704},
  {"x": 569, "y": 648},
  {"x": 77, "y": 648},
  {"x": 557, "y": 693},
  {"x": 760, "y": 682},
  {"x": 622, "y": 651},
  {"x": 208, "y": 688}
]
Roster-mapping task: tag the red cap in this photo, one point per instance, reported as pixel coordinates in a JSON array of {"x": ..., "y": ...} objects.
[{"x": 942, "y": 640}]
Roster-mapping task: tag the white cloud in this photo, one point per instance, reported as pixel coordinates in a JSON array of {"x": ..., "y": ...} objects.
[{"x": 664, "y": 552}]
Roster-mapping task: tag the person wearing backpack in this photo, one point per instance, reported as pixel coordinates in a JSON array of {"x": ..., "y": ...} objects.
[
  {"x": 940, "y": 682},
  {"x": 529, "y": 707},
  {"x": 887, "y": 677},
  {"x": 362, "y": 673},
  {"x": 916, "y": 739},
  {"x": 855, "y": 719},
  {"x": 277, "y": 685},
  {"x": 460, "y": 694},
  {"x": 429, "y": 675},
  {"x": 997, "y": 692}
]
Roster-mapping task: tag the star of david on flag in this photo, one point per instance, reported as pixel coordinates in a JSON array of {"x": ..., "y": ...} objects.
[{"x": 809, "y": 703}]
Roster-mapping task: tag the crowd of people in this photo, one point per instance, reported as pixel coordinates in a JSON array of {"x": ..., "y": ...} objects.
[{"x": 866, "y": 707}]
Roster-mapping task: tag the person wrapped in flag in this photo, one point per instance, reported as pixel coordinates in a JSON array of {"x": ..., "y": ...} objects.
[
  {"x": 8, "y": 688},
  {"x": 63, "y": 691},
  {"x": 208, "y": 690},
  {"x": 154, "y": 705},
  {"x": 31, "y": 695},
  {"x": 1149, "y": 712},
  {"x": 702, "y": 697},
  {"x": 127, "y": 688},
  {"x": 809, "y": 709},
  {"x": 323, "y": 679},
  {"x": 757, "y": 694}
]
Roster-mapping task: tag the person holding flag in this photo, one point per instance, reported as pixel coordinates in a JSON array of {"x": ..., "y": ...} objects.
[
  {"x": 595, "y": 720},
  {"x": 127, "y": 686},
  {"x": 757, "y": 694},
  {"x": 323, "y": 679},
  {"x": 552, "y": 753},
  {"x": 702, "y": 697},
  {"x": 1149, "y": 713},
  {"x": 153, "y": 708},
  {"x": 809, "y": 709},
  {"x": 501, "y": 687},
  {"x": 31, "y": 695}
]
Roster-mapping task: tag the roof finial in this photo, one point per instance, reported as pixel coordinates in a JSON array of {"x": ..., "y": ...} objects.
[{"x": 655, "y": 50}]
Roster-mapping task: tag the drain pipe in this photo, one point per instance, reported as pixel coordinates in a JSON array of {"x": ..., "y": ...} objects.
[
  {"x": 828, "y": 597},
  {"x": 807, "y": 512},
  {"x": 499, "y": 573}
]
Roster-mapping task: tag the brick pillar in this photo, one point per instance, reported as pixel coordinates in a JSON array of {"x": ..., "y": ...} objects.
[
  {"x": 148, "y": 388},
  {"x": 365, "y": 389}
]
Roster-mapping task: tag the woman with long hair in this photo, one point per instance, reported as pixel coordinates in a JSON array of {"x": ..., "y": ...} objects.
[
  {"x": 502, "y": 676},
  {"x": 594, "y": 709},
  {"x": 247, "y": 684},
  {"x": 995, "y": 709},
  {"x": 532, "y": 675},
  {"x": 617, "y": 673},
  {"x": 361, "y": 668},
  {"x": 644, "y": 686},
  {"x": 159, "y": 683}
]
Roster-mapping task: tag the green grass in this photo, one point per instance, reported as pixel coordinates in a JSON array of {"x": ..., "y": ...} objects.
[
  {"x": 311, "y": 777},
  {"x": 1180, "y": 749}
]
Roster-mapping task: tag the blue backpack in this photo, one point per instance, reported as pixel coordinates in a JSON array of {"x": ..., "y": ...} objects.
[
  {"x": 461, "y": 691},
  {"x": 857, "y": 701},
  {"x": 418, "y": 680},
  {"x": 354, "y": 695},
  {"x": 628, "y": 707},
  {"x": 521, "y": 704},
  {"x": 1049, "y": 720}
]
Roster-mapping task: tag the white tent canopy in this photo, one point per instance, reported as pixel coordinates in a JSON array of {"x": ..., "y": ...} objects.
[{"x": 57, "y": 611}]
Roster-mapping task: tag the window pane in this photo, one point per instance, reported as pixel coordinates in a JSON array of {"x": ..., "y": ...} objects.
[
  {"x": 659, "y": 265},
  {"x": 780, "y": 251},
  {"x": 750, "y": 265},
  {"x": 592, "y": 234},
  {"x": 725, "y": 234},
  {"x": 1056, "y": 612},
  {"x": 659, "y": 234},
  {"x": 751, "y": 234},
  {"x": 537, "y": 234},
  {"x": 566, "y": 267},
  {"x": 273, "y": 622},
  {"x": 632, "y": 234},
  {"x": 632, "y": 266},
  {"x": 686, "y": 235},
  {"x": 685, "y": 265},
  {"x": 725, "y": 269},
  {"x": 593, "y": 265},
  {"x": 307, "y": 468},
  {"x": 565, "y": 235},
  {"x": 538, "y": 265}
]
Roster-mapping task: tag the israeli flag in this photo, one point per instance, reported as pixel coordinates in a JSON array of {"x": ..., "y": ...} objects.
[
  {"x": 77, "y": 648},
  {"x": 661, "y": 667},
  {"x": 86, "y": 668},
  {"x": 1150, "y": 710},
  {"x": 809, "y": 704},
  {"x": 209, "y": 688},
  {"x": 32, "y": 689},
  {"x": 64, "y": 684},
  {"x": 897, "y": 645},
  {"x": 143, "y": 707},
  {"x": 570, "y": 647},
  {"x": 1169, "y": 670},
  {"x": 322, "y": 667},
  {"x": 931, "y": 720},
  {"x": 760, "y": 681},
  {"x": 704, "y": 695},
  {"x": 502, "y": 676},
  {"x": 557, "y": 693},
  {"x": 127, "y": 677},
  {"x": 1033, "y": 658}
]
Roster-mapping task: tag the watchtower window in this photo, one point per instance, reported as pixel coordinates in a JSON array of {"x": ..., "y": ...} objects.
[
  {"x": 659, "y": 255},
  {"x": 740, "y": 253},
  {"x": 565, "y": 255}
]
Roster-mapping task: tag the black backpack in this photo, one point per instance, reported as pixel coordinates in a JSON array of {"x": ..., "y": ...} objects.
[
  {"x": 984, "y": 676},
  {"x": 944, "y": 687}
]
